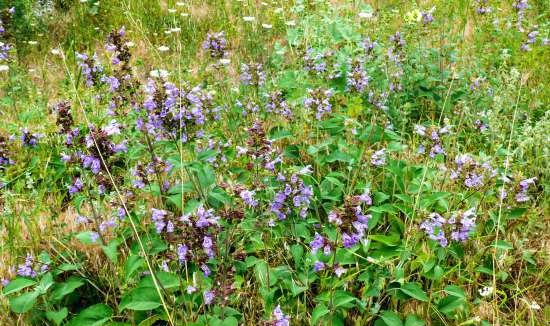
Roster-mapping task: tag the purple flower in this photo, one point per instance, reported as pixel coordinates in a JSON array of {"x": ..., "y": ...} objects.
[
  {"x": 215, "y": 44},
  {"x": 378, "y": 158},
  {"x": 280, "y": 318},
  {"x": 207, "y": 246},
  {"x": 158, "y": 216},
  {"x": 317, "y": 243},
  {"x": 248, "y": 197},
  {"x": 318, "y": 266},
  {"x": 357, "y": 79},
  {"x": 26, "y": 269},
  {"x": 252, "y": 74},
  {"x": 182, "y": 253},
  {"x": 208, "y": 297}
]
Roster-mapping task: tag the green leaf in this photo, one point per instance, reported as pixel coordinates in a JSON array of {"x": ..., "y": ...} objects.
[
  {"x": 230, "y": 321},
  {"x": 207, "y": 154},
  {"x": 111, "y": 250},
  {"x": 415, "y": 291},
  {"x": 57, "y": 317},
  {"x": 86, "y": 237},
  {"x": 501, "y": 244},
  {"x": 95, "y": 315},
  {"x": 60, "y": 290},
  {"x": 141, "y": 298},
  {"x": 17, "y": 284},
  {"x": 133, "y": 263},
  {"x": 390, "y": 318},
  {"x": 343, "y": 299},
  {"x": 24, "y": 302},
  {"x": 166, "y": 279},
  {"x": 413, "y": 320},
  {"x": 455, "y": 291},
  {"x": 319, "y": 311},
  {"x": 448, "y": 304},
  {"x": 391, "y": 240}
]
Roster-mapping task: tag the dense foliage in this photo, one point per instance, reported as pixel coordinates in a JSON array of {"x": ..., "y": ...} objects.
[{"x": 301, "y": 163}]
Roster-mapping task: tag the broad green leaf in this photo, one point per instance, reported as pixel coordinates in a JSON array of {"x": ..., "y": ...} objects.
[
  {"x": 60, "y": 290},
  {"x": 141, "y": 298},
  {"x": 390, "y": 318},
  {"x": 413, "y": 320},
  {"x": 17, "y": 284},
  {"x": 57, "y": 317},
  {"x": 111, "y": 250},
  {"x": 133, "y": 264},
  {"x": 95, "y": 315},
  {"x": 24, "y": 302},
  {"x": 415, "y": 291},
  {"x": 319, "y": 311},
  {"x": 455, "y": 291}
]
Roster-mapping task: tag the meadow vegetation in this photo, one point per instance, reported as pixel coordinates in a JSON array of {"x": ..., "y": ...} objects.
[{"x": 300, "y": 162}]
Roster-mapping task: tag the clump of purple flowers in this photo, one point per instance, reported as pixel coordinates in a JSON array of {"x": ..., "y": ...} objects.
[
  {"x": 279, "y": 318},
  {"x": 531, "y": 39},
  {"x": 319, "y": 63},
  {"x": 521, "y": 190},
  {"x": 357, "y": 79},
  {"x": 29, "y": 139},
  {"x": 91, "y": 68},
  {"x": 378, "y": 158},
  {"x": 427, "y": 16},
  {"x": 176, "y": 113},
  {"x": 31, "y": 268},
  {"x": 368, "y": 45},
  {"x": 431, "y": 139},
  {"x": 250, "y": 107},
  {"x": 457, "y": 228},
  {"x": 143, "y": 174},
  {"x": 4, "y": 152},
  {"x": 520, "y": 6},
  {"x": 252, "y": 74},
  {"x": 482, "y": 7},
  {"x": 277, "y": 104},
  {"x": 295, "y": 195},
  {"x": 351, "y": 219},
  {"x": 319, "y": 100},
  {"x": 216, "y": 45},
  {"x": 470, "y": 173}
]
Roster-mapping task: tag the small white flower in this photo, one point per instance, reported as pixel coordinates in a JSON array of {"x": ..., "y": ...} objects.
[
  {"x": 267, "y": 26},
  {"x": 486, "y": 291},
  {"x": 534, "y": 306},
  {"x": 55, "y": 52},
  {"x": 83, "y": 1},
  {"x": 130, "y": 44},
  {"x": 163, "y": 48},
  {"x": 159, "y": 73},
  {"x": 184, "y": 14},
  {"x": 278, "y": 10},
  {"x": 365, "y": 15},
  {"x": 33, "y": 42},
  {"x": 4, "y": 68},
  {"x": 172, "y": 11},
  {"x": 168, "y": 32},
  {"x": 291, "y": 23},
  {"x": 180, "y": 4},
  {"x": 249, "y": 18},
  {"x": 175, "y": 30},
  {"x": 225, "y": 62},
  {"x": 305, "y": 170}
]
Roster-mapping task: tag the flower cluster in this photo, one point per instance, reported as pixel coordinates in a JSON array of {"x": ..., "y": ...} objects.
[
  {"x": 319, "y": 100},
  {"x": 294, "y": 195},
  {"x": 250, "y": 107},
  {"x": 369, "y": 45},
  {"x": 143, "y": 174},
  {"x": 91, "y": 69},
  {"x": 459, "y": 226},
  {"x": 279, "y": 318},
  {"x": 252, "y": 74},
  {"x": 277, "y": 104},
  {"x": 5, "y": 21},
  {"x": 531, "y": 39},
  {"x": 427, "y": 16},
  {"x": 521, "y": 190},
  {"x": 31, "y": 268},
  {"x": 482, "y": 7},
  {"x": 351, "y": 219},
  {"x": 470, "y": 173},
  {"x": 378, "y": 158},
  {"x": 5, "y": 158},
  {"x": 431, "y": 139},
  {"x": 29, "y": 139},
  {"x": 64, "y": 117},
  {"x": 357, "y": 79},
  {"x": 520, "y": 6},
  {"x": 320, "y": 63},
  {"x": 176, "y": 112},
  {"x": 216, "y": 45},
  {"x": 259, "y": 149}
]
